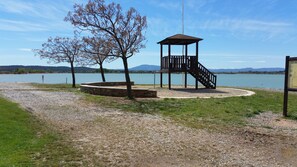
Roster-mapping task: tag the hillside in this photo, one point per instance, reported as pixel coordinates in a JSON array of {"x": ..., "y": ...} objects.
[
  {"x": 145, "y": 67},
  {"x": 246, "y": 70},
  {"x": 19, "y": 69}
]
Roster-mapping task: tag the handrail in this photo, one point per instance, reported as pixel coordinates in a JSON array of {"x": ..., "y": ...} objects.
[
  {"x": 175, "y": 62},
  {"x": 206, "y": 77}
]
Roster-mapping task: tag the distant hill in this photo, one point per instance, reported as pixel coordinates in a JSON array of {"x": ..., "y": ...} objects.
[
  {"x": 246, "y": 70},
  {"x": 19, "y": 69},
  {"x": 145, "y": 67},
  {"x": 43, "y": 69}
]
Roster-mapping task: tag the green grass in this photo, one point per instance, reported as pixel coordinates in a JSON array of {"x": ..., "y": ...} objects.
[
  {"x": 200, "y": 113},
  {"x": 56, "y": 87},
  {"x": 213, "y": 112},
  {"x": 25, "y": 141}
]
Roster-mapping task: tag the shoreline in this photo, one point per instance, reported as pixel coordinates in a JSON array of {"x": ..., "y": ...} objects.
[{"x": 144, "y": 72}]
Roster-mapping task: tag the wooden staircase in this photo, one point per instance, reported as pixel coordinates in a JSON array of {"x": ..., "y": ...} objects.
[
  {"x": 191, "y": 65},
  {"x": 201, "y": 73}
]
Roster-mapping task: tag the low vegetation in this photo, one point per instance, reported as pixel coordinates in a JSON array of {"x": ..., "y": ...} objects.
[
  {"x": 203, "y": 112},
  {"x": 25, "y": 141},
  {"x": 56, "y": 87},
  {"x": 213, "y": 112},
  {"x": 199, "y": 113}
]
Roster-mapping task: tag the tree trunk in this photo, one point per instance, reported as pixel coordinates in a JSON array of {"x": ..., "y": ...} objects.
[
  {"x": 102, "y": 72},
  {"x": 127, "y": 76},
  {"x": 73, "y": 74}
]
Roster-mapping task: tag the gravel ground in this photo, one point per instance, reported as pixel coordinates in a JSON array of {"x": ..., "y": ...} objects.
[
  {"x": 117, "y": 138},
  {"x": 191, "y": 92}
]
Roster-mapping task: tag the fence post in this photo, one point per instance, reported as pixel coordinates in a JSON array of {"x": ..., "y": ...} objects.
[{"x": 285, "y": 106}]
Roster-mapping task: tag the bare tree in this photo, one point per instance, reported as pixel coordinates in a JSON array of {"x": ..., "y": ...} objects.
[
  {"x": 125, "y": 29},
  {"x": 61, "y": 49},
  {"x": 95, "y": 51}
]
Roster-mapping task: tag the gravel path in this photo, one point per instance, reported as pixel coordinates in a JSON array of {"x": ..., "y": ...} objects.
[{"x": 117, "y": 138}]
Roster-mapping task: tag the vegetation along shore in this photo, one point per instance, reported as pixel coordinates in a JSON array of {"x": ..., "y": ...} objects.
[{"x": 20, "y": 69}]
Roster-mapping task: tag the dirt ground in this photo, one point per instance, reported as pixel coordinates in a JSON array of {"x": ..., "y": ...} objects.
[
  {"x": 190, "y": 92},
  {"x": 116, "y": 138}
]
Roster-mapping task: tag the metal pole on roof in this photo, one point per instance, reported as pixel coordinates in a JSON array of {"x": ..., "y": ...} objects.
[
  {"x": 183, "y": 24},
  {"x": 183, "y": 15},
  {"x": 183, "y": 30}
]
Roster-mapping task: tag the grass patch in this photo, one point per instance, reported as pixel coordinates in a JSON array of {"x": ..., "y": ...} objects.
[
  {"x": 213, "y": 112},
  {"x": 25, "y": 141},
  {"x": 199, "y": 113},
  {"x": 57, "y": 87}
]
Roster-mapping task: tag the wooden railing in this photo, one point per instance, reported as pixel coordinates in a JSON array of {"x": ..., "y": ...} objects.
[
  {"x": 176, "y": 62},
  {"x": 180, "y": 63},
  {"x": 207, "y": 76}
]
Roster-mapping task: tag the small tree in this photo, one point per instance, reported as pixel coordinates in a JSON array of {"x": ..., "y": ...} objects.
[
  {"x": 61, "y": 49},
  {"x": 95, "y": 51},
  {"x": 125, "y": 29}
]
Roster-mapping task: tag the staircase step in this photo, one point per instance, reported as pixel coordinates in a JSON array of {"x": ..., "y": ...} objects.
[{"x": 202, "y": 75}]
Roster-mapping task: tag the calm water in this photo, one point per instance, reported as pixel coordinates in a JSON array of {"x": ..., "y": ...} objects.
[{"x": 234, "y": 80}]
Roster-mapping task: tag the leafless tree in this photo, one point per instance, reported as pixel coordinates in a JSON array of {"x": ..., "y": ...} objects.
[
  {"x": 125, "y": 29},
  {"x": 61, "y": 49},
  {"x": 95, "y": 51}
]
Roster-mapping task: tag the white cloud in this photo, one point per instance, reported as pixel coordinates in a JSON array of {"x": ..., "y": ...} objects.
[
  {"x": 176, "y": 5},
  {"x": 35, "y": 15},
  {"x": 197, "y": 4},
  {"x": 25, "y": 49},
  {"x": 48, "y": 10},
  {"x": 261, "y": 61},
  {"x": 237, "y": 61},
  {"x": 248, "y": 27},
  {"x": 168, "y": 5},
  {"x": 153, "y": 54},
  {"x": 161, "y": 28},
  {"x": 16, "y": 6},
  {"x": 39, "y": 39},
  {"x": 20, "y": 26}
]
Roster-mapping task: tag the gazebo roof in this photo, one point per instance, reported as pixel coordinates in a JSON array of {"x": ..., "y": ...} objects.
[{"x": 179, "y": 39}]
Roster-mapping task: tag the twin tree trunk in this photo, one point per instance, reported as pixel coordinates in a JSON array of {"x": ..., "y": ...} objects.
[
  {"x": 127, "y": 76},
  {"x": 102, "y": 72},
  {"x": 73, "y": 74}
]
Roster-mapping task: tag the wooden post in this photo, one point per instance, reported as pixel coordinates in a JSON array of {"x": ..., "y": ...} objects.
[
  {"x": 285, "y": 107},
  {"x": 197, "y": 51},
  {"x": 161, "y": 65},
  {"x": 186, "y": 79},
  {"x": 196, "y": 65},
  {"x": 169, "y": 69}
]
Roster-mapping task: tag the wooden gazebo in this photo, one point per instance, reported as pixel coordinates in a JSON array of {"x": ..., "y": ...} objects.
[{"x": 184, "y": 63}]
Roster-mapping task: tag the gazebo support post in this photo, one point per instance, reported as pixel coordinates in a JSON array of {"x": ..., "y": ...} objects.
[
  {"x": 161, "y": 80},
  {"x": 161, "y": 66},
  {"x": 169, "y": 68},
  {"x": 186, "y": 65},
  {"x": 196, "y": 66}
]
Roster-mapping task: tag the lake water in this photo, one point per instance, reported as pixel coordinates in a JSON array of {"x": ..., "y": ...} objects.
[{"x": 234, "y": 80}]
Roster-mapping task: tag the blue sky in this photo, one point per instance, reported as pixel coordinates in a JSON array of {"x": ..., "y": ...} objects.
[{"x": 236, "y": 33}]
